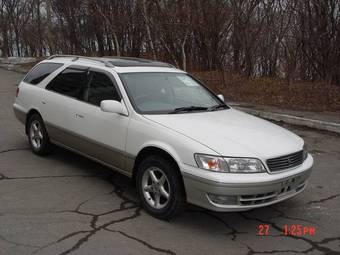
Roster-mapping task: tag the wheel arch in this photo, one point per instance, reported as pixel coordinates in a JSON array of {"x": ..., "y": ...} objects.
[
  {"x": 155, "y": 150},
  {"x": 28, "y": 116}
]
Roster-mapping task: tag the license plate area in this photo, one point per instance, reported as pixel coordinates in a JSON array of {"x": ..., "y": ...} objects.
[{"x": 289, "y": 186}]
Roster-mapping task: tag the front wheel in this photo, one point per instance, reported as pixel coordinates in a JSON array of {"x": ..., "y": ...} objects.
[{"x": 160, "y": 187}]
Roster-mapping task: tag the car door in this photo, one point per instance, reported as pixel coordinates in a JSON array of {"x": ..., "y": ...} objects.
[
  {"x": 103, "y": 134},
  {"x": 61, "y": 96}
]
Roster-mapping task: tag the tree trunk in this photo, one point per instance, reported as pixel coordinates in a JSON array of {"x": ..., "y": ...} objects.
[
  {"x": 40, "y": 43},
  {"x": 184, "y": 56},
  {"x": 5, "y": 45},
  {"x": 148, "y": 30},
  {"x": 49, "y": 27},
  {"x": 116, "y": 44}
]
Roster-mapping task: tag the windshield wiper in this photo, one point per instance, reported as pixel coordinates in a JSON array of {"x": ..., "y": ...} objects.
[
  {"x": 217, "y": 107},
  {"x": 188, "y": 109}
]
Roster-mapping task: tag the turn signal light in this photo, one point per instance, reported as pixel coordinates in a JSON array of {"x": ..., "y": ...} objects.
[{"x": 17, "y": 93}]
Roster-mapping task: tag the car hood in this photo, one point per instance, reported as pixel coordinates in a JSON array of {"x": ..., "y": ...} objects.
[{"x": 233, "y": 133}]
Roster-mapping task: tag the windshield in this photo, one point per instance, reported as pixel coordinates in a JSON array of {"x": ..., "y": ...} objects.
[{"x": 157, "y": 93}]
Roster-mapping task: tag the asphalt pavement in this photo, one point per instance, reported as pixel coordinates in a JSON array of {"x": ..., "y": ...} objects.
[{"x": 67, "y": 204}]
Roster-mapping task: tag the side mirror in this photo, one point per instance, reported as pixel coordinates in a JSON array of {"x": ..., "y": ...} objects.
[
  {"x": 220, "y": 96},
  {"x": 112, "y": 106}
]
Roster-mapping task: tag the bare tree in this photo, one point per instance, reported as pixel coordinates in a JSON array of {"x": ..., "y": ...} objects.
[{"x": 277, "y": 38}]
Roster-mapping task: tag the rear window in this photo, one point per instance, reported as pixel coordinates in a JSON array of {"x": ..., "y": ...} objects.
[{"x": 40, "y": 72}]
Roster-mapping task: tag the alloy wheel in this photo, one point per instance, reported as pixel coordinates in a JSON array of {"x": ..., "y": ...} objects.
[
  {"x": 36, "y": 134},
  {"x": 156, "y": 187}
]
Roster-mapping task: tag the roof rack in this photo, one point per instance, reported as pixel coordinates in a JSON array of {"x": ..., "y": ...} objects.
[
  {"x": 75, "y": 58},
  {"x": 117, "y": 61}
]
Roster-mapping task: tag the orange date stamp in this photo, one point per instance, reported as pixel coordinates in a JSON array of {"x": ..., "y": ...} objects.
[{"x": 289, "y": 230}]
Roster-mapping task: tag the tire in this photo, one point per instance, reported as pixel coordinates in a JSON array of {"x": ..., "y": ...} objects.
[
  {"x": 38, "y": 136},
  {"x": 152, "y": 188}
]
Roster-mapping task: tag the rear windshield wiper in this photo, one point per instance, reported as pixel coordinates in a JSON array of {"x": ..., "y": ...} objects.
[
  {"x": 188, "y": 109},
  {"x": 217, "y": 107}
]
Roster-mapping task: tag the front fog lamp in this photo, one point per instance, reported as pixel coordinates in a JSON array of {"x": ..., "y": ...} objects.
[
  {"x": 212, "y": 163},
  {"x": 245, "y": 165},
  {"x": 223, "y": 200}
]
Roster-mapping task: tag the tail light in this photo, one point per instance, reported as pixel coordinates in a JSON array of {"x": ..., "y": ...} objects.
[{"x": 17, "y": 93}]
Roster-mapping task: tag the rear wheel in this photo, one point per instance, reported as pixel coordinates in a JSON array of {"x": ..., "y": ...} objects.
[
  {"x": 37, "y": 135},
  {"x": 160, "y": 187}
]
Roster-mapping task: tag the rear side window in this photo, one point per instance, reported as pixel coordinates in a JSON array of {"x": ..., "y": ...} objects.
[
  {"x": 101, "y": 88},
  {"x": 69, "y": 82},
  {"x": 40, "y": 72}
]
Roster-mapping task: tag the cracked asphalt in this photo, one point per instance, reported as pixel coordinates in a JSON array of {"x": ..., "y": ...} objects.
[{"x": 66, "y": 204}]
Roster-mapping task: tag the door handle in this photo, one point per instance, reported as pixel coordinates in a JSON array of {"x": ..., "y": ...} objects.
[{"x": 79, "y": 116}]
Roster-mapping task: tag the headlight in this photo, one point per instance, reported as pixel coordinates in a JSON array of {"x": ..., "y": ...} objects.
[
  {"x": 305, "y": 152},
  {"x": 245, "y": 165},
  {"x": 229, "y": 165}
]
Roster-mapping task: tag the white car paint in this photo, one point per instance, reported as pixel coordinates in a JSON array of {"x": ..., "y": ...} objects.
[
  {"x": 229, "y": 133},
  {"x": 233, "y": 133}
]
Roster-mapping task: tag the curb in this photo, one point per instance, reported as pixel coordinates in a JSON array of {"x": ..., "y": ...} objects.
[
  {"x": 294, "y": 120},
  {"x": 15, "y": 64},
  {"x": 13, "y": 68}
]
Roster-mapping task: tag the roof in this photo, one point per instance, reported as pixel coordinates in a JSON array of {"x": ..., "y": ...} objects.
[{"x": 117, "y": 61}]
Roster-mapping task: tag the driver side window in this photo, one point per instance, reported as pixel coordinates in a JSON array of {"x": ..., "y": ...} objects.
[{"x": 100, "y": 88}]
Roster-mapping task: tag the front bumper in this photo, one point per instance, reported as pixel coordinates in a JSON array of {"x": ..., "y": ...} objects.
[{"x": 243, "y": 191}]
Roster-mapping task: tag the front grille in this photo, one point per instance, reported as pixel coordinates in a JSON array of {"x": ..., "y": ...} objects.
[{"x": 285, "y": 162}]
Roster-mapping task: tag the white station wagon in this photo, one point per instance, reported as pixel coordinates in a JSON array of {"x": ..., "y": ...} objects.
[{"x": 162, "y": 127}]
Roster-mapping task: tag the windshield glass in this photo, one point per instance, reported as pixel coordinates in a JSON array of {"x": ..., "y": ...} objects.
[{"x": 168, "y": 93}]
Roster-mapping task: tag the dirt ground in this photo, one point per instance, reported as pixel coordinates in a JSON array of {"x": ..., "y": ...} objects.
[{"x": 309, "y": 96}]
